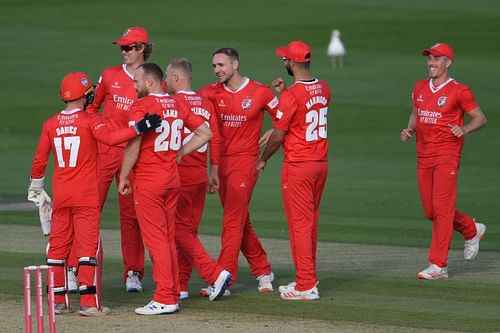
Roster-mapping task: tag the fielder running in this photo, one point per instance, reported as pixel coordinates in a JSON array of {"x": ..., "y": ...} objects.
[{"x": 439, "y": 105}]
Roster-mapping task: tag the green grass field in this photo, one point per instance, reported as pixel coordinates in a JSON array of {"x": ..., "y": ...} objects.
[{"x": 371, "y": 195}]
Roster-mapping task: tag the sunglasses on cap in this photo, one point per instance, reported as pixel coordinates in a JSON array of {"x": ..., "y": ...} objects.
[{"x": 128, "y": 48}]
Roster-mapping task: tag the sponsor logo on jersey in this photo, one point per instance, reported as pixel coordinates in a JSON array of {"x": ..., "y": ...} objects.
[
  {"x": 442, "y": 101},
  {"x": 452, "y": 173},
  {"x": 116, "y": 85},
  {"x": 243, "y": 185},
  {"x": 420, "y": 98},
  {"x": 221, "y": 103},
  {"x": 279, "y": 114},
  {"x": 246, "y": 104}
]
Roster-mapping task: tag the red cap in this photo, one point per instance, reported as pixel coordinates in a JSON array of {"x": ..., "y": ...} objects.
[
  {"x": 75, "y": 85},
  {"x": 439, "y": 50},
  {"x": 296, "y": 51},
  {"x": 133, "y": 35}
]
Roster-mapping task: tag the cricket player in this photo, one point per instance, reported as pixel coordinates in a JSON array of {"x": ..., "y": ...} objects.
[
  {"x": 439, "y": 105},
  {"x": 156, "y": 187},
  {"x": 71, "y": 136},
  {"x": 115, "y": 92},
  {"x": 301, "y": 127},
  {"x": 194, "y": 183},
  {"x": 239, "y": 105}
]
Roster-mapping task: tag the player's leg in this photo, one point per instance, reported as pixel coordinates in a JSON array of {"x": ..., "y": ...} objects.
[
  {"x": 157, "y": 228},
  {"x": 191, "y": 201},
  {"x": 86, "y": 221},
  {"x": 235, "y": 193},
  {"x": 131, "y": 240},
  {"x": 298, "y": 197},
  {"x": 59, "y": 245}
]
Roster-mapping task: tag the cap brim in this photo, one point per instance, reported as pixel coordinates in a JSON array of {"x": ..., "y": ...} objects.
[
  {"x": 281, "y": 51},
  {"x": 123, "y": 41}
]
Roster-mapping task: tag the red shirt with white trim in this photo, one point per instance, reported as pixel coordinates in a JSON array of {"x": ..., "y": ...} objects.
[
  {"x": 438, "y": 108},
  {"x": 240, "y": 114},
  {"x": 302, "y": 113},
  {"x": 156, "y": 162},
  {"x": 71, "y": 137},
  {"x": 193, "y": 167}
]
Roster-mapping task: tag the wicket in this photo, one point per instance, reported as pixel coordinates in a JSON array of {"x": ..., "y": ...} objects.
[{"x": 39, "y": 302}]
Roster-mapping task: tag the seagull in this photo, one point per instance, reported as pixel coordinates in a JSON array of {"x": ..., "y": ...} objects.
[{"x": 336, "y": 49}]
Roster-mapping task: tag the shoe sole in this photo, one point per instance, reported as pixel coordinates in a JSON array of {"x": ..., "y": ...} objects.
[
  {"x": 266, "y": 290},
  {"x": 222, "y": 289},
  {"x": 134, "y": 290},
  {"x": 156, "y": 313},
  {"x": 440, "y": 277}
]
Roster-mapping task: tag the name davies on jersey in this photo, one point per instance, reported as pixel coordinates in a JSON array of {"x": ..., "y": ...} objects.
[
  {"x": 316, "y": 100},
  {"x": 66, "y": 130},
  {"x": 232, "y": 120},
  {"x": 428, "y": 117}
]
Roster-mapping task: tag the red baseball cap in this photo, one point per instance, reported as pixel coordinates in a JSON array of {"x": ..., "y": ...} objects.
[
  {"x": 439, "y": 50},
  {"x": 75, "y": 85},
  {"x": 133, "y": 35},
  {"x": 296, "y": 51}
]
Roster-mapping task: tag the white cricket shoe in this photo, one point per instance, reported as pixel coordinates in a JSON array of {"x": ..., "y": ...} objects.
[
  {"x": 295, "y": 295},
  {"x": 471, "y": 246},
  {"x": 155, "y": 308},
  {"x": 265, "y": 283},
  {"x": 434, "y": 272},
  {"x": 287, "y": 287},
  {"x": 72, "y": 281},
  {"x": 184, "y": 295},
  {"x": 206, "y": 292},
  {"x": 94, "y": 312},
  {"x": 133, "y": 283},
  {"x": 220, "y": 285}
]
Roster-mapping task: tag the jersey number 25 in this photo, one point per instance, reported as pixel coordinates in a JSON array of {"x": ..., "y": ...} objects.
[{"x": 317, "y": 124}]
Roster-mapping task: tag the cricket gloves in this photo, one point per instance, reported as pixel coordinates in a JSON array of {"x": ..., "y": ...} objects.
[{"x": 42, "y": 200}]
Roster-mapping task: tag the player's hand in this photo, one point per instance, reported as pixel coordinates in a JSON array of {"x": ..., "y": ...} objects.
[
  {"x": 457, "y": 130},
  {"x": 279, "y": 84},
  {"x": 124, "y": 187},
  {"x": 35, "y": 190},
  {"x": 213, "y": 179},
  {"x": 406, "y": 134},
  {"x": 261, "y": 165},
  {"x": 148, "y": 123},
  {"x": 265, "y": 137}
]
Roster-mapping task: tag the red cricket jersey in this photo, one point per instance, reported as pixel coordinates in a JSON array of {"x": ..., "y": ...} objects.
[
  {"x": 71, "y": 136},
  {"x": 240, "y": 114},
  {"x": 437, "y": 108},
  {"x": 193, "y": 167},
  {"x": 115, "y": 89},
  {"x": 157, "y": 157},
  {"x": 302, "y": 113}
]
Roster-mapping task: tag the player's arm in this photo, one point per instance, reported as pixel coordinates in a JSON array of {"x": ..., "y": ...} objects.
[
  {"x": 273, "y": 144},
  {"x": 129, "y": 158},
  {"x": 477, "y": 121},
  {"x": 407, "y": 133},
  {"x": 215, "y": 145},
  {"x": 39, "y": 165},
  {"x": 114, "y": 137},
  {"x": 202, "y": 134}
]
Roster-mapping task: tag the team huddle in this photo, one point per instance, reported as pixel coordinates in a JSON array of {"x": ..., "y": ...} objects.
[{"x": 154, "y": 135}]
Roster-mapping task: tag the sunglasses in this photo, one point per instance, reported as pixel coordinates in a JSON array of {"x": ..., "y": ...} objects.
[{"x": 128, "y": 48}]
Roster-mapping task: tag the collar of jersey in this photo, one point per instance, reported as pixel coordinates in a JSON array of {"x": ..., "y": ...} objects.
[
  {"x": 312, "y": 81},
  {"x": 71, "y": 111},
  {"x": 187, "y": 92},
  {"x": 436, "y": 89},
  {"x": 159, "y": 95},
  {"x": 245, "y": 83},
  {"x": 127, "y": 72}
]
